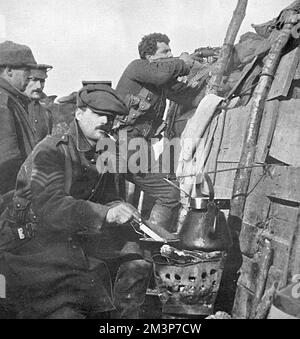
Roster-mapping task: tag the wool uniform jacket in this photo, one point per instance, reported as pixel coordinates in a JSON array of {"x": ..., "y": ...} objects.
[
  {"x": 41, "y": 120},
  {"x": 54, "y": 269},
  {"x": 17, "y": 138},
  {"x": 159, "y": 77}
]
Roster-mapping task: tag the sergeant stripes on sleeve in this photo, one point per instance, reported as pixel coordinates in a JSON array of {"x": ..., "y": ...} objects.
[{"x": 44, "y": 179}]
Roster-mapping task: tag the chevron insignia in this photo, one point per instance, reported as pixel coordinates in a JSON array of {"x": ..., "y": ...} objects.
[{"x": 44, "y": 179}]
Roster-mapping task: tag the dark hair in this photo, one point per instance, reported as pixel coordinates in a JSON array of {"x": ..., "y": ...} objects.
[{"x": 148, "y": 44}]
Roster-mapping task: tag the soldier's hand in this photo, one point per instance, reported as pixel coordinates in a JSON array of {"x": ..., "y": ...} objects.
[
  {"x": 206, "y": 52},
  {"x": 189, "y": 61},
  {"x": 122, "y": 213}
]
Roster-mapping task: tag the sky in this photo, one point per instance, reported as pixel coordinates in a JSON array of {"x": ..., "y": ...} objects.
[{"x": 97, "y": 39}]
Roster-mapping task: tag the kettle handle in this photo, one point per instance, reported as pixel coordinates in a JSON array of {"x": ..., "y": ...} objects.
[
  {"x": 211, "y": 193},
  {"x": 210, "y": 185}
]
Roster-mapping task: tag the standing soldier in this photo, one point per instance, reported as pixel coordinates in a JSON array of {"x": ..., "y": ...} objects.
[
  {"x": 39, "y": 116},
  {"x": 67, "y": 216},
  {"x": 145, "y": 85},
  {"x": 16, "y": 133}
]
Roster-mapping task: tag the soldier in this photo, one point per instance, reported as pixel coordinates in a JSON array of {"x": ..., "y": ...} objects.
[
  {"x": 16, "y": 133},
  {"x": 68, "y": 215},
  {"x": 39, "y": 116},
  {"x": 145, "y": 85}
]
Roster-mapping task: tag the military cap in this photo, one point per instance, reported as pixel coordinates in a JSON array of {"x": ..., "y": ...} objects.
[
  {"x": 71, "y": 98},
  {"x": 101, "y": 99},
  {"x": 16, "y": 55},
  {"x": 40, "y": 72},
  {"x": 92, "y": 82}
]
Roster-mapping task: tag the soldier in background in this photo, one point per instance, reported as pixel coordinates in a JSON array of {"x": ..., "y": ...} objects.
[
  {"x": 39, "y": 116},
  {"x": 145, "y": 85},
  {"x": 76, "y": 217},
  {"x": 17, "y": 137}
]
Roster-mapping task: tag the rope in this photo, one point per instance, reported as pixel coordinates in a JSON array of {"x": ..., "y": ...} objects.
[
  {"x": 244, "y": 91},
  {"x": 264, "y": 166},
  {"x": 225, "y": 170}
]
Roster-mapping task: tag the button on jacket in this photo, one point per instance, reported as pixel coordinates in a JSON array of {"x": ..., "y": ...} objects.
[
  {"x": 40, "y": 119},
  {"x": 160, "y": 77},
  {"x": 53, "y": 270},
  {"x": 17, "y": 138}
]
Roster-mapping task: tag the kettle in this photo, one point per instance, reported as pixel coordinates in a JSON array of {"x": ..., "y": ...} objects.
[{"x": 205, "y": 227}]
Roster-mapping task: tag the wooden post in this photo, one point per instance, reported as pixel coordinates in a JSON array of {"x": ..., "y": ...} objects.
[
  {"x": 242, "y": 177},
  {"x": 294, "y": 260},
  {"x": 264, "y": 266},
  {"x": 221, "y": 64}
]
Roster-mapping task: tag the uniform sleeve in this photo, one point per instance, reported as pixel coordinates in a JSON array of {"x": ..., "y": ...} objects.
[
  {"x": 11, "y": 158},
  {"x": 54, "y": 208},
  {"x": 158, "y": 73},
  {"x": 183, "y": 94}
]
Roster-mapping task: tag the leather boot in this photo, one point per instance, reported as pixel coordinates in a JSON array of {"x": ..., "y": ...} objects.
[
  {"x": 130, "y": 288},
  {"x": 164, "y": 220}
]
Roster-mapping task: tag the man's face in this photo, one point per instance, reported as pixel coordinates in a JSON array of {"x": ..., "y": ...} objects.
[
  {"x": 35, "y": 88},
  {"x": 163, "y": 51},
  {"x": 91, "y": 124},
  {"x": 19, "y": 78}
]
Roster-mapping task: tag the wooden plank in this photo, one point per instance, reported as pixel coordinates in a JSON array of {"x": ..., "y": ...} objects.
[
  {"x": 281, "y": 218},
  {"x": 241, "y": 183},
  {"x": 243, "y": 303},
  {"x": 285, "y": 145},
  {"x": 281, "y": 255},
  {"x": 224, "y": 180},
  {"x": 285, "y": 74},
  {"x": 262, "y": 309},
  {"x": 253, "y": 277},
  {"x": 264, "y": 260},
  {"x": 267, "y": 129},
  {"x": 234, "y": 132},
  {"x": 226, "y": 149},
  {"x": 254, "y": 270},
  {"x": 275, "y": 275},
  {"x": 249, "y": 239},
  {"x": 281, "y": 231},
  {"x": 278, "y": 226},
  {"x": 249, "y": 273},
  {"x": 297, "y": 73},
  {"x": 257, "y": 204},
  {"x": 284, "y": 184},
  {"x": 294, "y": 255}
]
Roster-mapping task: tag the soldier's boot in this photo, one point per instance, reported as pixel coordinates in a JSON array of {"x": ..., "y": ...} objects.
[
  {"x": 163, "y": 217},
  {"x": 130, "y": 288}
]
